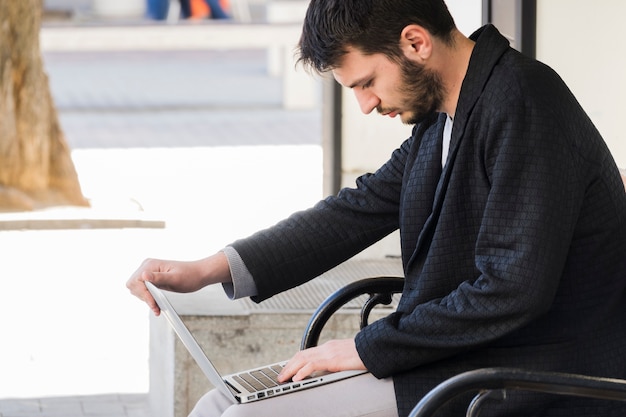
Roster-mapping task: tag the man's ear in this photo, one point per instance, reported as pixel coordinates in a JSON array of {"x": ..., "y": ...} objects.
[{"x": 416, "y": 43}]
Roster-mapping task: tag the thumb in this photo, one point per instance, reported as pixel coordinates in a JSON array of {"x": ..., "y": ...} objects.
[{"x": 148, "y": 276}]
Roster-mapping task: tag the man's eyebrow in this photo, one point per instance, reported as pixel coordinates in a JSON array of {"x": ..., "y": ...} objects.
[{"x": 360, "y": 81}]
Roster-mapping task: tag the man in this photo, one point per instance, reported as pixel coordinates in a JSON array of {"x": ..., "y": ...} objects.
[{"x": 513, "y": 253}]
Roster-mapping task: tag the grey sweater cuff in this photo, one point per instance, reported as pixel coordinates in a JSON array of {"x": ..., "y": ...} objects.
[{"x": 242, "y": 282}]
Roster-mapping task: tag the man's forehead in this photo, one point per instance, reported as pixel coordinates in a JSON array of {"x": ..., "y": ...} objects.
[
  {"x": 346, "y": 78},
  {"x": 355, "y": 67}
]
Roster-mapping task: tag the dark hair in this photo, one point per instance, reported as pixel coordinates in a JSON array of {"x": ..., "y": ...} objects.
[{"x": 372, "y": 26}]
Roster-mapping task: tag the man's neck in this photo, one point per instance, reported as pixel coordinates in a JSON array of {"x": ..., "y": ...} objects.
[{"x": 453, "y": 63}]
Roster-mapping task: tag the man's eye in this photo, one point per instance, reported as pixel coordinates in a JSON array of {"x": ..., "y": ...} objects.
[{"x": 366, "y": 85}]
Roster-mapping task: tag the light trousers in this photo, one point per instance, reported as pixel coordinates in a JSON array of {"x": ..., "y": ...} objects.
[{"x": 362, "y": 395}]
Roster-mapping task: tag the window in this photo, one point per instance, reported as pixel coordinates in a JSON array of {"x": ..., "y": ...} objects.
[{"x": 515, "y": 19}]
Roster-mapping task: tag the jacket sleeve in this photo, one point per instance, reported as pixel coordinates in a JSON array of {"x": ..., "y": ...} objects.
[{"x": 310, "y": 242}]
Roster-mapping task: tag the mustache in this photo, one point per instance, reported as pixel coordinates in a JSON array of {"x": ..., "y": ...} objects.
[{"x": 383, "y": 110}]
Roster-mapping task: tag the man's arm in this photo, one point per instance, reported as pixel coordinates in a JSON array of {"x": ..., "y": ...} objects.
[
  {"x": 310, "y": 242},
  {"x": 178, "y": 276}
]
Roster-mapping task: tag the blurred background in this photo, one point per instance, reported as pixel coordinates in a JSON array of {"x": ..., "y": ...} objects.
[
  {"x": 195, "y": 145},
  {"x": 199, "y": 131}
]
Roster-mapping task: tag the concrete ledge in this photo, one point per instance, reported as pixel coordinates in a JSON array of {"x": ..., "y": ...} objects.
[
  {"x": 67, "y": 217},
  {"x": 300, "y": 90},
  {"x": 82, "y": 223},
  {"x": 213, "y": 35},
  {"x": 241, "y": 334}
]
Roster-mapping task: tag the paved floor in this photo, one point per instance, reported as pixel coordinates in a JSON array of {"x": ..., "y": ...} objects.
[
  {"x": 190, "y": 138},
  {"x": 107, "y": 405}
]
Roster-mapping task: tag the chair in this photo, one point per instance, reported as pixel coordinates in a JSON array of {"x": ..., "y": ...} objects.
[
  {"x": 379, "y": 289},
  {"x": 495, "y": 382}
]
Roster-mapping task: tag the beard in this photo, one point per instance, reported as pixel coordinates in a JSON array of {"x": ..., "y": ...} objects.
[{"x": 422, "y": 90}]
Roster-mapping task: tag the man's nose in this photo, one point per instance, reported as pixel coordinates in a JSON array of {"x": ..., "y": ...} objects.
[{"x": 367, "y": 100}]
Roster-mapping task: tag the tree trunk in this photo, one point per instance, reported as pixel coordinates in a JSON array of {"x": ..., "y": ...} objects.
[{"x": 36, "y": 169}]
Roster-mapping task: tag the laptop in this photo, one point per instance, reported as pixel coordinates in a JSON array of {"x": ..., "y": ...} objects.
[{"x": 246, "y": 386}]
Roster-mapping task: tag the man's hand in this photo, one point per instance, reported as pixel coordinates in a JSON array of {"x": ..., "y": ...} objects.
[
  {"x": 177, "y": 276},
  {"x": 332, "y": 356}
]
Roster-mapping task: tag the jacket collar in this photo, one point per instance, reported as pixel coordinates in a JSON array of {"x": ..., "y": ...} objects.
[{"x": 489, "y": 48}]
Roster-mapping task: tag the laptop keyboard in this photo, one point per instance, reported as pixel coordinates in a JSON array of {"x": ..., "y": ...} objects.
[{"x": 260, "y": 379}]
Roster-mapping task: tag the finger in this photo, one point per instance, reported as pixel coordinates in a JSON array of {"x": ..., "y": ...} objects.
[
  {"x": 300, "y": 366},
  {"x": 146, "y": 295},
  {"x": 138, "y": 288},
  {"x": 290, "y": 369},
  {"x": 304, "y": 372},
  {"x": 286, "y": 374}
]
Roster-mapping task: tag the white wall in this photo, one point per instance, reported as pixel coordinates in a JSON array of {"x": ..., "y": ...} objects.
[
  {"x": 467, "y": 14},
  {"x": 584, "y": 42}
]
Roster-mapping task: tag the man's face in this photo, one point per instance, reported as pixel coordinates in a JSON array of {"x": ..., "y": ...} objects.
[
  {"x": 406, "y": 89},
  {"x": 422, "y": 89}
]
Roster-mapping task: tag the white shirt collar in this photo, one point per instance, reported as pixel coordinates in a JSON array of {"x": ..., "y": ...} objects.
[{"x": 447, "y": 135}]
